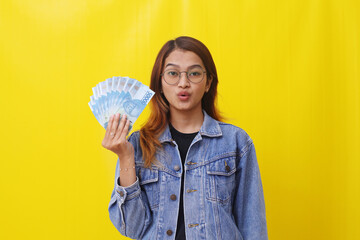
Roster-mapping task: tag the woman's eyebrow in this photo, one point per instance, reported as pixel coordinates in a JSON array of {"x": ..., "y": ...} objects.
[
  {"x": 195, "y": 65},
  {"x": 192, "y": 66},
  {"x": 171, "y": 64}
]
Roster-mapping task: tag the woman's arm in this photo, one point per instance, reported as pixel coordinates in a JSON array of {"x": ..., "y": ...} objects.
[
  {"x": 115, "y": 141},
  {"x": 249, "y": 205},
  {"x": 128, "y": 207}
]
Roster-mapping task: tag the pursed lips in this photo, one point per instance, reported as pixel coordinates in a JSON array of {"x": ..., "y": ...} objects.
[{"x": 183, "y": 96}]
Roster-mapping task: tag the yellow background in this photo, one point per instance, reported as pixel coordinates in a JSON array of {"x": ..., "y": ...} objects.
[{"x": 288, "y": 75}]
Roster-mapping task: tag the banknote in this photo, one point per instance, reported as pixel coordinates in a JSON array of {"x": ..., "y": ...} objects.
[{"x": 122, "y": 95}]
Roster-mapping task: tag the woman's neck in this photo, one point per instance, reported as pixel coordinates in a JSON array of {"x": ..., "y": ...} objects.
[{"x": 187, "y": 121}]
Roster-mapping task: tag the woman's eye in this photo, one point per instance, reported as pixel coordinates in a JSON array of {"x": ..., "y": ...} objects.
[
  {"x": 172, "y": 73},
  {"x": 195, "y": 73}
]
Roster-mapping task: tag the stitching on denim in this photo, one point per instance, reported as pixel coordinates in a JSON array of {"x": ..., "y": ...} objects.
[
  {"x": 155, "y": 206},
  {"x": 222, "y": 173},
  {"x": 133, "y": 195},
  {"x": 217, "y": 219},
  {"x": 212, "y": 180},
  {"x": 222, "y": 201},
  {"x": 144, "y": 209},
  {"x": 153, "y": 176},
  {"x": 246, "y": 148},
  {"x": 217, "y": 157},
  {"x": 169, "y": 171}
]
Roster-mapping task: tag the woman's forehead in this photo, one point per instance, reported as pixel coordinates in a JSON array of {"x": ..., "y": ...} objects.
[{"x": 183, "y": 59}]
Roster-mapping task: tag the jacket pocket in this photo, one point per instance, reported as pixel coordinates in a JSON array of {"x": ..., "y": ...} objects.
[
  {"x": 149, "y": 183},
  {"x": 220, "y": 179}
]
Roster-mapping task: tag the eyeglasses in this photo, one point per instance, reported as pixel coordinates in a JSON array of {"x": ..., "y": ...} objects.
[{"x": 172, "y": 77}]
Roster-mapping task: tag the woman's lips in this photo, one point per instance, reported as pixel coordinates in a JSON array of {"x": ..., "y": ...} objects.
[{"x": 183, "y": 96}]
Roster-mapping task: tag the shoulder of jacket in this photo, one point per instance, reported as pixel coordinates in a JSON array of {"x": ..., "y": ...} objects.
[
  {"x": 134, "y": 137},
  {"x": 135, "y": 134},
  {"x": 240, "y": 134},
  {"x": 233, "y": 129}
]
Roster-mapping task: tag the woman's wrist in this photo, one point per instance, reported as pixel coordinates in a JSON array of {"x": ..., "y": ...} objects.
[
  {"x": 126, "y": 168},
  {"x": 127, "y": 174},
  {"x": 126, "y": 159},
  {"x": 126, "y": 163}
]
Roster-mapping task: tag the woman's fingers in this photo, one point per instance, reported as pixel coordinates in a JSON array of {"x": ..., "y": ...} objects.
[
  {"x": 121, "y": 127},
  {"x": 108, "y": 128},
  {"x": 114, "y": 126},
  {"x": 106, "y": 141},
  {"x": 126, "y": 129},
  {"x": 115, "y": 136}
]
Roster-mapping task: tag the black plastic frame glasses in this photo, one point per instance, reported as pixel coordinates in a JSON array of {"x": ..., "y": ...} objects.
[{"x": 188, "y": 76}]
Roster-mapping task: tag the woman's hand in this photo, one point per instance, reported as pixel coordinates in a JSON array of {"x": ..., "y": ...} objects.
[{"x": 115, "y": 138}]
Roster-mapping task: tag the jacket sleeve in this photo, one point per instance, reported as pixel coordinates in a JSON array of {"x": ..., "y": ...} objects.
[
  {"x": 249, "y": 205},
  {"x": 129, "y": 210}
]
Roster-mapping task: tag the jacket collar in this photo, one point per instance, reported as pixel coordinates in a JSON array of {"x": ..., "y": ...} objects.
[{"x": 209, "y": 128}]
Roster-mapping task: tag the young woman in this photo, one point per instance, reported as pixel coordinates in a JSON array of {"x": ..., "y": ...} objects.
[{"x": 185, "y": 174}]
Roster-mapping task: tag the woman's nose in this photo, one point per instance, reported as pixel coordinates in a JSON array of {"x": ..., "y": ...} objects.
[{"x": 184, "y": 81}]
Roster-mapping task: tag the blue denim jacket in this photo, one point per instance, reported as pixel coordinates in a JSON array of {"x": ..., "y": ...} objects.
[{"x": 223, "y": 195}]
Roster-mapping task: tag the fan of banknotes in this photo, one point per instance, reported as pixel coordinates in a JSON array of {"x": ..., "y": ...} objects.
[{"x": 122, "y": 95}]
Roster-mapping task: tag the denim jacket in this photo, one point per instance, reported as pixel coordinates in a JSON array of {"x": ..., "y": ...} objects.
[{"x": 223, "y": 195}]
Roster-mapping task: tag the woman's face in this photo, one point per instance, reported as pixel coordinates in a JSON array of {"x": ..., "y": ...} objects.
[{"x": 185, "y": 95}]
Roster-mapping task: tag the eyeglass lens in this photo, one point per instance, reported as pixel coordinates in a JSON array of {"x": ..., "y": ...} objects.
[{"x": 195, "y": 75}]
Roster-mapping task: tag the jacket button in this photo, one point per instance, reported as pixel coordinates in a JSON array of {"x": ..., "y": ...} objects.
[
  {"x": 176, "y": 167},
  {"x": 173, "y": 197},
  {"x": 121, "y": 194},
  {"x": 227, "y": 169},
  {"x": 169, "y": 232}
]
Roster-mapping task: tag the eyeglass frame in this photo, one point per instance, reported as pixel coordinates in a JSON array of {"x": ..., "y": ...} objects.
[{"x": 187, "y": 76}]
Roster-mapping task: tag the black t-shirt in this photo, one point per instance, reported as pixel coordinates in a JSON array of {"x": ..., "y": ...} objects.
[{"x": 183, "y": 140}]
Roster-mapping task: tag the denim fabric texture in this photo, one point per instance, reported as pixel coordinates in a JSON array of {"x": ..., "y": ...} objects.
[{"x": 223, "y": 194}]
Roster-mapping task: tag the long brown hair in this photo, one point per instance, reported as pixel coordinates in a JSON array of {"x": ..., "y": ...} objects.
[{"x": 159, "y": 106}]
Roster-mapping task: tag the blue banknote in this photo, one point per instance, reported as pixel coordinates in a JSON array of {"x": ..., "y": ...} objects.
[{"x": 122, "y": 95}]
